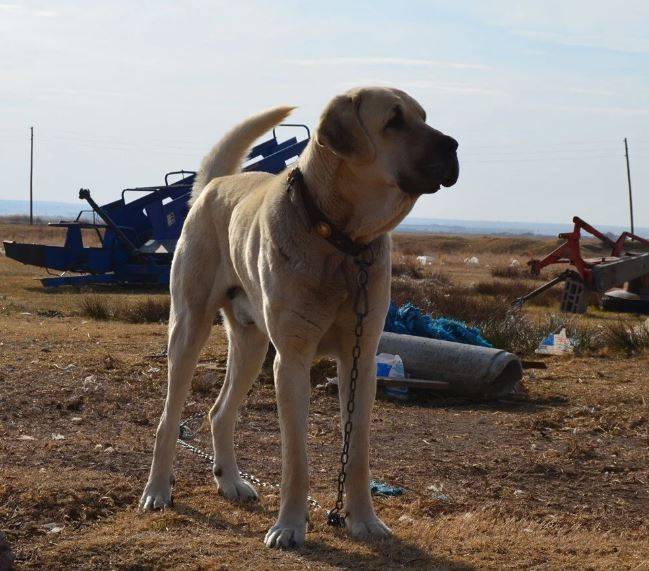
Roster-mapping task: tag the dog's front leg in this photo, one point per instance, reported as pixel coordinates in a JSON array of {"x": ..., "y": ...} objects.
[
  {"x": 361, "y": 520},
  {"x": 293, "y": 389}
]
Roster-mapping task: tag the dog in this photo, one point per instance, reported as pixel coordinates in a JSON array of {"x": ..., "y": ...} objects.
[{"x": 251, "y": 249}]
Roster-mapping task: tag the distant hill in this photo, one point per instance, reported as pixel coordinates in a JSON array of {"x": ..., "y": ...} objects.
[
  {"x": 50, "y": 210},
  {"x": 45, "y": 209},
  {"x": 442, "y": 226}
]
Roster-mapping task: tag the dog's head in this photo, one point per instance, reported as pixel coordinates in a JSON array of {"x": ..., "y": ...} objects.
[{"x": 382, "y": 135}]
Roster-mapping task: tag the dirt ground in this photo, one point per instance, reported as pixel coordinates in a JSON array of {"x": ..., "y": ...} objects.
[{"x": 554, "y": 477}]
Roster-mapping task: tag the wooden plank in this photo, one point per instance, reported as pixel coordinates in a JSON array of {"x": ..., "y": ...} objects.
[
  {"x": 413, "y": 383},
  {"x": 533, "y": 364}
]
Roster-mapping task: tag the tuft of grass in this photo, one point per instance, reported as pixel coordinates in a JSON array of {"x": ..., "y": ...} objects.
[
  {"x": 95, "y": 307},
  {"x": 508, "y": 272},
  {"x": 408, "y": 266},
  {"x": 149, "y": 310},
  {"x": 626, "y": 338},
  {"x": 513, "y": 332}
]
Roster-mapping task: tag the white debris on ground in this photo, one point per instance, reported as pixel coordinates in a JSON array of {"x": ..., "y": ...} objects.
[
  {"x": 53, "y": 527},
  {"x": 437, "y": 493},
  {"x": 67, "y": 368},
  {"x": 472, "y": 261},
  {"x": 90, "y": 383},
  {"x": 57, "y": 436},
  {"x": 556, "y": 344},
  {"x": 425, "y": 260},
  {"x": 514, "y": 263}
]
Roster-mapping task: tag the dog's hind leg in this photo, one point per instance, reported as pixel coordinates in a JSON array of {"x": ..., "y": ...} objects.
[{"x": 247, "y": 349}]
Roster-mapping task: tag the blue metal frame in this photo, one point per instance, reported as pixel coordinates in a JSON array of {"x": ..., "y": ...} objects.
[{"x": 139, "y": 237}]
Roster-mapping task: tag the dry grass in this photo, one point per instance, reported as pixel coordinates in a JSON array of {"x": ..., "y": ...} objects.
[
  {"x": 554, "y": 477},
  {"x": 561, "y": 489},
  {"x": 626, "y": 338},
  {"x": 95, "y": 307},
  {"x": 146, "y": 310},
  {"x": 407, "y": 266}
]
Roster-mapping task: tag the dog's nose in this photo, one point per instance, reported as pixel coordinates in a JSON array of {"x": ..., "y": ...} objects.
[{"x": 448, "y": 144}]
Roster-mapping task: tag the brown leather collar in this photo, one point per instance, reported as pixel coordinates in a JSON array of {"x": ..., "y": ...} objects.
[{"x": 319, "y": 221}]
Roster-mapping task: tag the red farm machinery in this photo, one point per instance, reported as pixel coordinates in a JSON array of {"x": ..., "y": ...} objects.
[{"x": 621, "y": 277}]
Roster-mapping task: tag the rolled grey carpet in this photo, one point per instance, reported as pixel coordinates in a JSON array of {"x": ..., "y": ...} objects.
[{"x": 469, "y": 370}]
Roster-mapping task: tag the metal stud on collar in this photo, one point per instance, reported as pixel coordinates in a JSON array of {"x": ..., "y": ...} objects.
[{"x": 323, "y": 229}]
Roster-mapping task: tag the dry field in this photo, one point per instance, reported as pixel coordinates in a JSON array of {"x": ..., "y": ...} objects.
[{"x": 555, "y": 477}]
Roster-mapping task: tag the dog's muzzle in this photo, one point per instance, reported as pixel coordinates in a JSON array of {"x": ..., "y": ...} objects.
[{"x": 438, "y": 167}]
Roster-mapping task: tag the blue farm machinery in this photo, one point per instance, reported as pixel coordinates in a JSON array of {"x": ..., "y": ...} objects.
[{"x": 137, "y": 237}]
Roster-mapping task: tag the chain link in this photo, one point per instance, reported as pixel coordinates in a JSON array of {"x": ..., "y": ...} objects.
[
  {"x": 336, "y": 517},
  {"x": 185, "y": 434}
]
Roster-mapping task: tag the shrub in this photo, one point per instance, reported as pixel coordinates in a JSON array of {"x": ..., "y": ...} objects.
[
  {"x": 508, "y": 272},
  {"x": 95, "y": 307},
  {"x": 409, "y": 266},
  {"x": 513, "y": 332},
  {"x": 149, "y": 310},
  {"x": 626, "y": 338}
]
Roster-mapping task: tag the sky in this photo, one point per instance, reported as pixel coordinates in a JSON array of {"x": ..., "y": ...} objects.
[{"x": 539, "y": 94}]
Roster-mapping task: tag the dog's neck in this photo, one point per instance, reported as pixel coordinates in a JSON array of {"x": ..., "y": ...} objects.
[{"x": 362, "y": 211}]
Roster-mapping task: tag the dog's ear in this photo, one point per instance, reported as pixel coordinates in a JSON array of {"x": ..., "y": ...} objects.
[{"x": 340, "y": 130}]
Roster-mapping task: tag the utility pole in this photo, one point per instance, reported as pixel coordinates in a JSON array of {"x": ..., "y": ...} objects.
[
  {"x": 628, "y": 178},
  {"x": 31, "y": 179}
]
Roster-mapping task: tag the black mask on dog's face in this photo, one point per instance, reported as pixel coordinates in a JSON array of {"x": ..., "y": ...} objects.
[{"x": 383, "y": 132}]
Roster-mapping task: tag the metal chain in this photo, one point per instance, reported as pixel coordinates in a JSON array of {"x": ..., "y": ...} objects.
[
  {"x": 336, "y": 517},
  {"x": 185, "y": 435}
]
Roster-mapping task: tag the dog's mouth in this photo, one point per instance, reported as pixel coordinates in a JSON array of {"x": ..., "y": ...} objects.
[
  {"x": 453, "y": 172},
  {"x": 433, "y": 176}
]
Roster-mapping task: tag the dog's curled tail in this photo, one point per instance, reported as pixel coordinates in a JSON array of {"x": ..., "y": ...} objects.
[{"x": 226, "y": 156}]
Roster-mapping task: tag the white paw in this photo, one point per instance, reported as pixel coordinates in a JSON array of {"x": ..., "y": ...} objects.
[
  {"x": 283, "y": 536},
  {"x": 236, "y": 489},
  {"x": 368, "y": 529},
  {"x": 157, "y": 494}
]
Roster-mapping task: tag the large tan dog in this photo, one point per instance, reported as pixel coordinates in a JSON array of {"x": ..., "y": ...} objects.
[{"x": 248, "y": 249}]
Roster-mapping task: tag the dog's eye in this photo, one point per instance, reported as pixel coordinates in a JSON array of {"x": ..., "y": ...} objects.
[{"x": 396, "y": 121}]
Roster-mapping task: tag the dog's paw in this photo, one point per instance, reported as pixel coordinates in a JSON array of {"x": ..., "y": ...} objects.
[
  {"x": 157, "y": 494},
  {"x": 236, "y": 490},
  {"x": 285, "y": 536},
  {"x": 365, "y": 530}
]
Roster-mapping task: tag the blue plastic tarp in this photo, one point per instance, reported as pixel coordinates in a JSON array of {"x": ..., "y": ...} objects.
[{"x": 409, "y": 320}]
